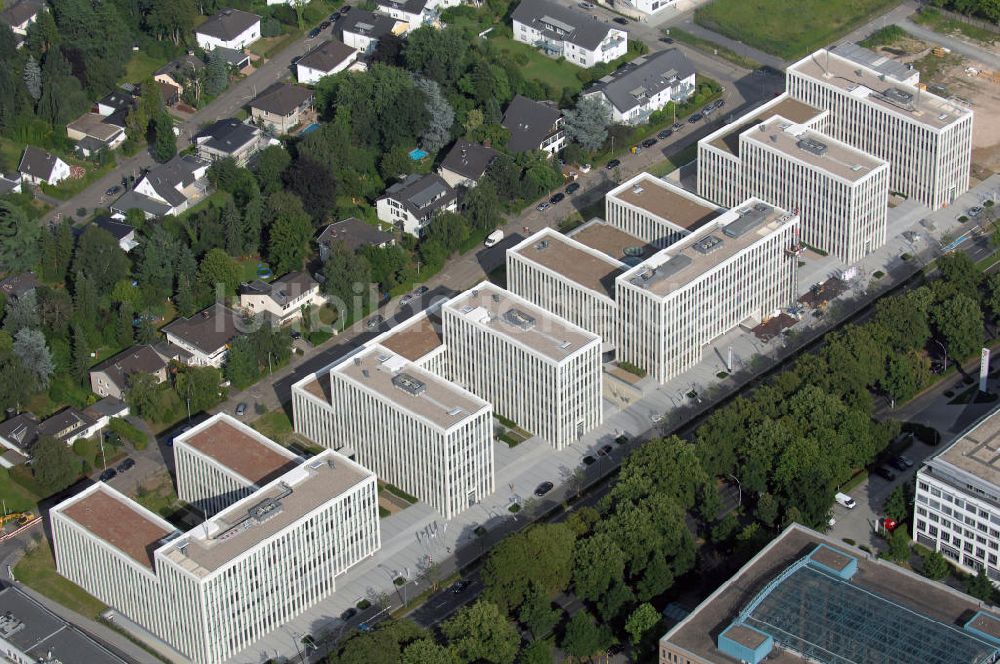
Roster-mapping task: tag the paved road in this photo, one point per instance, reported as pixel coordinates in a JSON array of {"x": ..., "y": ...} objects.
[{"x": 968, "y": 49}]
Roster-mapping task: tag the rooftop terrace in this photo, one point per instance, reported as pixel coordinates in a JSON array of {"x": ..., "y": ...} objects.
[
  {"x": 863, "y": 82},
  {"x": 241, "y": 449},
  {"x": 513, "y": 317},
  {"x": 727, "y": 139},
  {"x": 567, "y": 258},
  {"x": 686, "y": 260},
  {"x": 410, "y": 388},
  {"x": 666, "y": 201},
  {"x": 814, "y": 148}
]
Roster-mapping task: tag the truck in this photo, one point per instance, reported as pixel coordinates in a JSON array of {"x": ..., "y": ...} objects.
[{"x": 493, "y": 238}]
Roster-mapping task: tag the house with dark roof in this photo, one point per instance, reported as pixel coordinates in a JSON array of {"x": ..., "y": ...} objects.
[
  {"x": 110, "y": 377},
  {"x": 282, "y": 107},
  {"x": 119, "y": 100},
  {"x": 38, "y": 166},
  {"x": 18, "y": 433},
  {"x": 10, "y": 184},
  {"x": 169, "y": 188},
  {"x": 178, "y": 72},
  {"x": 412, "y": 204},
  {"x": 228, "y": 28},
  {"x": 328, "y": 58},
  {"x": 122, "y": 232},
  {"x": 645, "y": 85},
  {"x": 229, "y": 139},
  {"x": 204, "y": 338},
  {"x": 354, "y": 233},
  {"x": 21, "y": 14},
  {"x": 281, "y": 300},
  {"x": 465, "y": 163},
  {"x": 415, "y": 13},
  {"x": 16, "y": 285},
  {"x": 361, "y": 29},
  {"x": 94, "y": 132},
  {"x": 534, "y": 125},
  {"x": 566, "y": 32}
]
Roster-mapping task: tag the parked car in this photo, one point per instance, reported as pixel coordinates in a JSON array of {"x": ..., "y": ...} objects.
[
  {"x": 845, "y": 500},
  {"x": 589, "y": 460},
  {"x": 241, "y": 409},
  {"x": 707, "y": 109},
  {"x": 493, "y": 238},
  {"x": 898, "y": 464},
  {"x": 975, "y": 211},
  {"x": 314, "y": 33},
  {"x": 324, "y": 25},
  {"x": 112, "y": 191},
  {"x": 375, "y": 321},
  {"x": 613, "y": 164},
  {"x": 543, "y": 206},
  {"x": 572, "y": 188},
  {"x": 620, "y": 20},
  {"x": 884, "y": 473},
  {"x": 677, "y": 126},
  {"x": 650, "y": 142},
  {"x": 108, "y": 475},
  {"x": 667, "y": 40},
  {"x": 719, "y": 103},
  {"x": 906, "y": 461},
  {"x": 348, "y": 614},
  {"x": 125, "y": 465},
  {"x": 695, "y": 117},
  {"x": 666, "y": 133},
  {"x": 586, "y": 5},
  {"x": 459, "y": 587},
  {"x": 421, "y": 290},
  {"x": 345, "y": 9},
  {"x": 295, "y": 334},
  {"x": 406, "y": 299},
  {"x": 543, "y": 489},
  {"x": 557, "y": 198}
]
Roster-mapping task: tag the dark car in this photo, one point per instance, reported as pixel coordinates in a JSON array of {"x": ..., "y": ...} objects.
[
  {"x": 719, "y": 103},
  {"x": 295, "y": 334},
  {"x": 296, "y": 59},
  {"x": 345, "y": 9},
  {"x": 885, "y": 473},
  {"x": 348, "y": 614},
  {"x": 112, "y": 191},
  {"x": 589, "y": 460},
  {"x": 695, "y": 117},
  {"x": 898, "y": 464},
  {"x": 543, "y": 489},
  {"x": 125, "y": 465},
  {"x": 604, "y": 451},
  {"x": 650, "y": 142},
  {"x": 620, "y": 20},
  {"x": 557, "y": 198},
  {"x": 459, "y": 587},
  {"x": 108, "y": 474},
  {"x": 666, "y": 133},
  {"x": 677, "y": 126},
  {"x": 421, "y": 290},
  {"x": 621, "y": 440},
  {"x": 324, "y": 25},
  {"x": 667, "y": 40},
  {"x": 314, "y": 33},
  {"x": 375, "y": 321},
  {"x": 572, "y": 187},
  {"x": 613, "y": 164}
]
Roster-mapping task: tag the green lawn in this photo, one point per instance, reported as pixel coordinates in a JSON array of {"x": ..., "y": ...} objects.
[
  {"x": 10, "y": 155},
  {"x": 685, "y": 156},
  {"x": 37, "y": 570},
  {"x": 140, "y": 67},
  {"x": 275, "y": 425},
  {"x": 70, "y": 187},
  {"x": 712, "y": 48},
  {"x": 935, "y": 20},
  {"x": 789, "y": 30},
  {"x": 16, "y": 498}
]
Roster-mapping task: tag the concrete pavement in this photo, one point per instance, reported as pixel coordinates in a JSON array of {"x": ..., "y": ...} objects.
[{"x": 961, "y": 46}]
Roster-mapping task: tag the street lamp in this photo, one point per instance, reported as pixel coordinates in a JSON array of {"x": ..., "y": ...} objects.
[
  {"x": 944, "y": 354},
  {"x": 739, "y": 488}
]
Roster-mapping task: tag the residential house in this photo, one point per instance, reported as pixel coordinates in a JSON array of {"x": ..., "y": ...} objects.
[
  {"x": 18, "y": 433},
  {"x": 354, "y": 233},
  {"x": 282, "y": 299},
  {"x": 639, "y": 88},
  {"x": 177, "y": 73},
  {"x": 110, "y": 377},
  {"x": 228, "y": 28},
  {"x": 234, "y": 58},
  {"x": 204, "y": 338},
  {"x": 94, "y": 132},
  {"x": 566, "y": 32},
  {"x": 116, "y": 101},
  {"x": 465, "y": 163},
  {"x": 169, "y": 188},
  {"x": 534, "y": 125},
  {"x": 103, "y": 411},
  {"x": 414, "y": 13},
  {"x": 281, "y": 107},
  {"x": 21, "y": 14},
  {"x": 122, "y": 232},
  {"x": 10, "y": 184},
  {"x": 362, "y": 29},
  {"x": 411, "y": 205},
  {"x": 326, "y": 59},
  {"x": 168, "y": 93},
  {"x": 38, "y": 166},
  {"x": 229, "y": 139},
  {"x": 68, "y": 425},
  {"x": 16, "y": 285}
]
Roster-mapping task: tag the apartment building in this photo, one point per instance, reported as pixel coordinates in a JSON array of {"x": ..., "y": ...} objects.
[
  {"x": 221, "y": 461},
  {"x": 957, "y": 504},
  {"x": 537, "y": 369},
  {"x": 875, "y": 107},
  {"x": 212, "y": 592},
  {"x": 412, "y": 203},
  {"x": 656, "y": 211},
  {"x": 640, "y": 88},
  {"x": 560, "y": 31},
  {"x": 739, "y": 266}
]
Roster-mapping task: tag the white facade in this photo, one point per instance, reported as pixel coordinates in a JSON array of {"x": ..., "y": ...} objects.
[
  {"x": 957, "y": 501},
  {"x": 310, "y": 75},
  {"x": 536, "y": 369},
  {"x": 236, "y": 43},
  {"x": 656, "y": 211},
  {"x": 676, "y": 302},
  {"x": 59, "y": 172},
  {"x": 214, "y": 591},
  {"x": 566, "y": 32},
  {"x": 927, "y": 139},
  {"x": 652, "y": 6},
  {"x": 646, "y": 85}
]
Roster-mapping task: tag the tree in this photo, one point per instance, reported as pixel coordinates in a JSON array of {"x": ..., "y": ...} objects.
[
  {"x": 54, "y": 464},
  {"x": 767, "y": 510},
  {"x": 313, "y": 183},
  {"x": 935, "y": 566},
  {"x": 241, "y": 363},
  {"x": 537, "y": 652},
  {"x": 165, "y": 141},
  {"x": 269, "y": 166},
  {"x": 542, "y": 554},
  {"x": 81, "y": 352},
  {"x": 437, "y": 54},
  {"x": 897, "y": 505},
  {"x": 187, "y": 303},
  {"x": 233, "y": 225},
  {"x": 481, "y": 633},
  {"x": 440, "y": 116},
  {"x": 905, "y": 375},
  {"x": 583, "y": 638},
  {"x": 587, "y": 123},
  {"x": 171, "y": 20},
  {"x": 142, "y": 395},
  {"x": 598, "y": 563},
  {"x": 33, "y": 78},
  {"x": 537, "y": 613},
  {"x": 899, "y": 545},
  {"x": 100, "y": 258},
  {"x": 62, "y": 96},
  {"x": 348, "y": 275},
  {"x": 19, "y": 239},
  {"x": 960, "y": 321},
  {"x": 33, "y": 353},
  {"x": 219, "y": 273},
  {"x": 22, "y": 313},
  {"x": 253, "y": 220},
  {"x": 425, "y": 651},
  {"x": 199, "y": 387},
  {"x": 216, "y": 74},
  {"x": 383, "y": 645},
  {"x": 289, "y": 231},
  {"x": 643, "y": 619},
  {"x": 482, "y": 206},
  {"x": 980, "y": 586}
]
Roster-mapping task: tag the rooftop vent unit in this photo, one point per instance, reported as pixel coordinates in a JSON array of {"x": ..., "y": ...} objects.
[
  {"x": 637, "y": 189},
  {"x": 382, "y": 357},
  {"x": 468, "y": 309},
  {"x": 708, "y": 244},
  {"x": 364, "y": 372},
  {"x": 812, "y": 146},
  {"x": 456, "y": 411},
  {"x": 856, "y": 167},
  {"x": 542, "y": 245},
  {"x": 10, "y": 624},
  {"x": 898, "y": 96},
  {"x": 563, "y": 345},
  {"x": 943, "y": 116},
  {"x": 519, "y": 319},
  {"x": 409, "y": 384}
]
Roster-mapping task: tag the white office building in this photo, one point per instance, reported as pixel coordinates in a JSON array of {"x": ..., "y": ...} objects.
[
  {"x": 560, "y": 31},
  {"x": 926, "y": 139},
  {"x": 656, "y": 211},
  {"x": 536, "y": 369},
  {"x": 214, "y": 591},
  {"x": 957, "y": 503},
  {"x": 221, "y": 460},
  {"x": 738, "y": 267}
]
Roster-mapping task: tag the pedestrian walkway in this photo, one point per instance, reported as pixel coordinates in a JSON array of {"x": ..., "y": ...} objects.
[{"x": 961, "y": 46}]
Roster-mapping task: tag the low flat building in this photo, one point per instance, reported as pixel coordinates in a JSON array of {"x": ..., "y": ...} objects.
[
  {"x": 228, "y": 28},
  {"x": 566, "y": 32},
  {"x": 282, "y": 107},
  {"x": 361, "y": 29},
  {"x": 204, "y": 338},
  {"x": 957, "y": 501},
  {"x": 203, "y": 592},
  {"x": 465, "y": 163},
  {"x": 94, "y": 132},
  {"x": 537, "y": 369},
  {"x": 533, "y": 125},
  {"x": 330, "y": 57},
  {"x": 639, "y": 88},
  {"x": 283, "y": 299},
  {"x": 167, "y": 189},
  {"x": 229, "y": 139},
  {"x": 221, "y": 461},
  {"x": 807, "y": 597},
  {"x": 411, "y": 204},
  {"x": 655, "y": 211},
  {"x": 38, "y": 166},
  {"x": 355, "y": 234},
  {"x": 111, "y": 377}
]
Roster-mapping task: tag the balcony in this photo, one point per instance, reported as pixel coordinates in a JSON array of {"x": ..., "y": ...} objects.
[{"x": 551, "y": 48}]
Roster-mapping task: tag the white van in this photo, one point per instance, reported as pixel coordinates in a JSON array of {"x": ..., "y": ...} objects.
[
  {"x": 845, "y": 500},
  {"x": 494, "y": 237}
]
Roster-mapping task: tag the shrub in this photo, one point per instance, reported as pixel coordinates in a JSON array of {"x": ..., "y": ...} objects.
[
  {"x": 878, "y": 274},
  {"x": 632, "y": 369},
  {"x": 270, "y": 28},
  {"x": 506, "y": 421},
  {"x": 848, "y": 540},
  {"x": 514, "y": 508},
  {"x": 138, "y": 438},
  {"x": 81, "y": 212},
  {"x": 363, "y": 604},
  {"x": 399, "y": 581}
]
